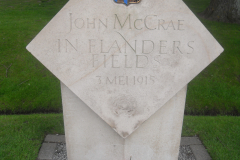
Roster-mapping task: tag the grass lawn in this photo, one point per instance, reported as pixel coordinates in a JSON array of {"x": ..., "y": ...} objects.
[
  {"x": 216, "y": 90},
  {"x": 21, "y": 135},
  {"x": 219, "y": 134},
  {"x": 28, "y": 86}
]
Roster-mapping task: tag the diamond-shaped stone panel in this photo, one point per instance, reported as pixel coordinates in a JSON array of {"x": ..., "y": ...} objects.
[{"x": 125, "y": 62}]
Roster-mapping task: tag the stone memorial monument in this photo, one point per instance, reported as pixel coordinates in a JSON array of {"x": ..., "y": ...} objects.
[{"x": 124, "y": 66}]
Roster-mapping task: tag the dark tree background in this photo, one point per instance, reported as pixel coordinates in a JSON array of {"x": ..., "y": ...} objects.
[{"x": 223, "y": 10}]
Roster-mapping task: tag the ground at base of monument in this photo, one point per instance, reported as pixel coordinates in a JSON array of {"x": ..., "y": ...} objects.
[{"x": 54, "y": 148}]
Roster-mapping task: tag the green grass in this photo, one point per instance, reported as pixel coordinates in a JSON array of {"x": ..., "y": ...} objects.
[
  {"x": 219, "y": 134},
  {"x": 31, "y": 88},
  {"x": 216, "y": 90},
  {"x": 21, "y": 135}
]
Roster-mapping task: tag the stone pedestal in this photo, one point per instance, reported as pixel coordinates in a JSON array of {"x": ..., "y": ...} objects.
[
  {"x": 88, "y": 137},
  {"x": 123, "y": 68}
]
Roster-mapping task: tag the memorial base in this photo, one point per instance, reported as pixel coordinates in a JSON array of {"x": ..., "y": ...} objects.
[{"x": 88, "y": 137}]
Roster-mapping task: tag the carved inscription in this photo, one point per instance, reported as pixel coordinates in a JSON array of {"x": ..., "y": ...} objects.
[
  {"x": 148, "y": 22},
  {"x": 146, "y": 52},
  {"x": 126, "y": 80},
  {"x": 123, "y": 52}
]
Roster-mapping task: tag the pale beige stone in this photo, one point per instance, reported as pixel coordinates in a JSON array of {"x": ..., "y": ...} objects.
[
  {"x": 88, "y": 137},
  {"x": 122, "y": 82}
]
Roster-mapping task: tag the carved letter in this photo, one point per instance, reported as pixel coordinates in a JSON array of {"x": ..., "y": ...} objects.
[
  {"x": 94, "y": 59},
  {"x": 176, "y": 46},
  {"x": 162, "y": 46},
  {"x": 170, "y": 25},
  {"x": 191, "y": 46},
  {"x": 99, "y": 79},
  {"x": 111, "y": 82},
  {"x": 128, "y": 43},
  {"x": 145, "y": 22},
  {"x": 115, "y": 42},
  {"x": 105, "y": 60},
  {"x": 78, "y": 22},
  {"x": 138, "y": 60},
  {"x": 74, "y": 47},
  {"x": 161, "y": 24},
  {"x": 103, "y": 23},
  {"x": 126, "y": 62},
  {"x": 143, "y": 46},
  {"x": 90, "y": 45},
  {"x": 180, "y": 24},
  {"x": 121, "y": 82},
  {"x": 113, "y": 60},
  {"x": 102, "y": 47},
  {"x": 93, "y": 23},
  {"x": 117, "y": 19},
  {"x": 135, "y": 24}
]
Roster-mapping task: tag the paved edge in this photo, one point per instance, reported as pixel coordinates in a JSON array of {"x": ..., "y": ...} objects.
[
  {"x": 47, "y": 151},
  {"x": 200, "y": 152},
  {"x": 190, "y": 141},
  {"x": 50, "y": 143},
  {"x": 198, "y": 149},
  {"x": 55, "y": 138}
]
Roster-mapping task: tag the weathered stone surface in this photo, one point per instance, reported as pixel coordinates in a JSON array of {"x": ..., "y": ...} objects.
[
  {"x": 88, "y": 137},
  {"x": 125, "y": 62}
]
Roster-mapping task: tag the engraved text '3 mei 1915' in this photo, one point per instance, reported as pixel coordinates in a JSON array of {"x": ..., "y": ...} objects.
[{"x": 126, "y": 80}]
